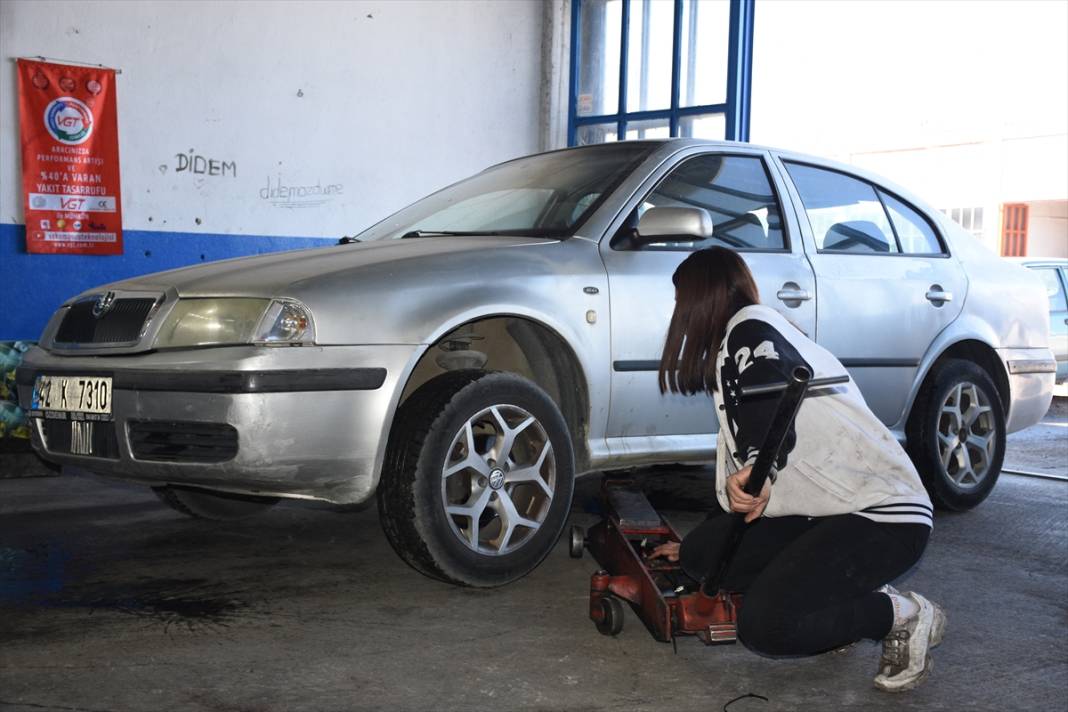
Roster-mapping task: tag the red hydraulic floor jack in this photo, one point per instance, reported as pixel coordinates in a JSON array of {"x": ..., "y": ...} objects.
[{"x": 666, "y": 600}]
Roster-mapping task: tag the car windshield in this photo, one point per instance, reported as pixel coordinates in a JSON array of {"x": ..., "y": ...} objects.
[{"x": 547, "y": 195}]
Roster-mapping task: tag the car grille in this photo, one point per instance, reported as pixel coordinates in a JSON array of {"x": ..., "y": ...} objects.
[
  {"x": 175, "y": 441},
  {"x": 122, "y": 323},
  {"x": 58, "y": 437}
]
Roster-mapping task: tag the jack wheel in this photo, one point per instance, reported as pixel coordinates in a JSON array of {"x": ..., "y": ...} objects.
[
  {"x": 578, "y": 542},
  {"x": 611, "y": 622}
]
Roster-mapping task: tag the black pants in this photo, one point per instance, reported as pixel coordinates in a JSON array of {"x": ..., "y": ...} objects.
[{"x": 809, "y": 583}]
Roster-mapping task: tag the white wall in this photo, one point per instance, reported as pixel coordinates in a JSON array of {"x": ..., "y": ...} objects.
[
  {"x": 984, "y": 174},
  {"x": 386, "y": 100},
  {"x": 1047, "y": 229}
]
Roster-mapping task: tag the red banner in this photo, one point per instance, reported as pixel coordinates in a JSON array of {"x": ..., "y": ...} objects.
[{"x": 70, "y": 158}]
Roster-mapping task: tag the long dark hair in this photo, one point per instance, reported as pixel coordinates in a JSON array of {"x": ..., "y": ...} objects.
[{"x": 710, "y": 286}]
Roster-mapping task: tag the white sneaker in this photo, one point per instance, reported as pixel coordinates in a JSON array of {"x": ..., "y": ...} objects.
[
  {"x": 906, "y": 660},
  {"x": 940, "y": 617}
]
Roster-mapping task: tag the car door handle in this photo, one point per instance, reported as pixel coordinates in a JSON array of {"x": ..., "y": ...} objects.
[
  {"x": 790, "y": 292},
  {"x": 938, "y": 296}
]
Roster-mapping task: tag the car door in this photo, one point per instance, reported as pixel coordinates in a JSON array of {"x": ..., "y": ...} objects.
[
  {"x": 1054, "y": 280},
  {"x": 885, "y": 280},
  {"x": 740, "y": 194}
]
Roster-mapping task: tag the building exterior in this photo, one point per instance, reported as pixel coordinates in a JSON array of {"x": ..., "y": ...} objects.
[{"x": 1010, "y": 191}]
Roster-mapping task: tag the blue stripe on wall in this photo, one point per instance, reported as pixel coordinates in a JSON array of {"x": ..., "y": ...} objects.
[{"x": 33, "y": 286}]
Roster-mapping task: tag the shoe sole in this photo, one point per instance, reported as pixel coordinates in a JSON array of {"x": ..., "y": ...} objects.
[
  {"x": 938, "y": 629},
  {"x": 886, "y": 686},
  {"x": 938, "y": 626}
]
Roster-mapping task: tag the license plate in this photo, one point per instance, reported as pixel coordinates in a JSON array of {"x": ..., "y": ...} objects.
[{"x": 73, "y": 394}]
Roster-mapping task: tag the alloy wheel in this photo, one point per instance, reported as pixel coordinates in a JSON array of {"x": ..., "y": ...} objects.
[
  {"x": 498, "y": 479},
  {"x": 967, "y": 435}
]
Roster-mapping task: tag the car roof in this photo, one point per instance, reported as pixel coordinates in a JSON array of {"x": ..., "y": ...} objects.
[{"x": 663, "y": 147}]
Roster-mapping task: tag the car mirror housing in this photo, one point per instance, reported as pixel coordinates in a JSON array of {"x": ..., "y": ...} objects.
[{"x": 656, "y": 224}]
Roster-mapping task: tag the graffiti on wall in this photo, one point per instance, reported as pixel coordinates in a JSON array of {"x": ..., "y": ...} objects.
[
  {"x": 281, "y": 194},
  {"x": 193, "y": 163},
  {"x": 13, "y": 422}
]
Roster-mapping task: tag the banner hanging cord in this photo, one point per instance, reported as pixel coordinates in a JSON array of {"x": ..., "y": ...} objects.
[{"x": 41, "y": 58}]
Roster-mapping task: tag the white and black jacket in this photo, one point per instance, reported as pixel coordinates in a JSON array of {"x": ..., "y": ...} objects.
[{"x": 838, "y": 459}]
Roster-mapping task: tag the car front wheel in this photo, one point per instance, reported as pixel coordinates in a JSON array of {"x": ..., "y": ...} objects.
[
  {"x": 478, "y": 479},
  {"x": 957, "y": 435}
]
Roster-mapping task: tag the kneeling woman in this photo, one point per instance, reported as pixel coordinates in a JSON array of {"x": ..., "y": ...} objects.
[{"x": 844, "y": 512}]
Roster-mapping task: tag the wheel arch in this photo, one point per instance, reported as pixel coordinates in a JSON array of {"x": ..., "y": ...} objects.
[
  {"x": 978, "y": 352},
  {"x": 521, "y": 343}
]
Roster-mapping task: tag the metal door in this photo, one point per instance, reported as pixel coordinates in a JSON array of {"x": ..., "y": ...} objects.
[
  {"x": 642, "y": 300},
  {"x": 878, "y": 311}
]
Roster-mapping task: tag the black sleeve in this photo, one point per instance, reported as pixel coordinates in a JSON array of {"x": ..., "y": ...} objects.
[{"x": 757, "y": 354}]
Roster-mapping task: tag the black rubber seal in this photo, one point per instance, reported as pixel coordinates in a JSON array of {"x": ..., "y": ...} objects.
[
  {"x": 631, "y": 366},
  {"x": 285, "y": 381}
]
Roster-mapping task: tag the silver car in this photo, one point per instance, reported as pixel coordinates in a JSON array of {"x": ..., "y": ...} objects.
[{"x": 467, "y": 357}]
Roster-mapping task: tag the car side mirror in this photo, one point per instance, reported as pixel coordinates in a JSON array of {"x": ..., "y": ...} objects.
[{"x": 674, "y": 224}]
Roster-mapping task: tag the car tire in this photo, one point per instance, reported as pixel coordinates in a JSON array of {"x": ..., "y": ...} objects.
[
  {"x": 956, "y": 435},
  {"x": 448, "y": 508},
  {"x": 215, "y": 506}
]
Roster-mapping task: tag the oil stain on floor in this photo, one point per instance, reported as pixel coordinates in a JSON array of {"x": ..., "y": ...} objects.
[
  {"x": 192, "y": 604},
  {"x": 41, "y": 578}
]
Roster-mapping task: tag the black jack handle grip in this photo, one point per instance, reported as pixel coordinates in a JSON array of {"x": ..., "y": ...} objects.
[
  {"x": 789, "y": 403},
  {"x": 785, "y": 413}
]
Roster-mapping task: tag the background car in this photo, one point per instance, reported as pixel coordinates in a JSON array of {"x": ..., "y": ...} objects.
[
  {"x": 1054, "y": 274},
  {"x": 468, "y": 356}
]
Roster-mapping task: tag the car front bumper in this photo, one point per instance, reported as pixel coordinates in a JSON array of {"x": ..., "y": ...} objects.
[
  {"x": 1031, "y": 374},
  {"x": 310, "y": 421}
]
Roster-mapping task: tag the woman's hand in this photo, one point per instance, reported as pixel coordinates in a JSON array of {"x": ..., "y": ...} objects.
[
  {"x": 669, "y": 551},
  {"x": 742, "y": 502}
]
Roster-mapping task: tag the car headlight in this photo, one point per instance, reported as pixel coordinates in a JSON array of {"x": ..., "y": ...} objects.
[
  {"x": 286, "y": 322},
  {"x": 211, "y": 322},
  {"x": 215, "y": 322}
]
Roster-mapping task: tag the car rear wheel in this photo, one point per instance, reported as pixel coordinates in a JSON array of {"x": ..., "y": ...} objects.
[
  {"x": 478, "y": 479},
  {"x": 216, "y": 506},
  {"x": 956, "y": 435}
]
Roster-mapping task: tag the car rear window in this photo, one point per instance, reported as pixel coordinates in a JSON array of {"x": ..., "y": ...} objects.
[
  {"x": 845, "y": 214},
  {"x": 851, "y": 215}
]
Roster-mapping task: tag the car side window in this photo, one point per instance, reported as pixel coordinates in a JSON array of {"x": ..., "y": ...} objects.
[
  {"x": 737, "y": 193},
  {"x": 1054, "y": 290},
  {"x": 915, "y": 234},
  {"x": 844, "y": 212}
]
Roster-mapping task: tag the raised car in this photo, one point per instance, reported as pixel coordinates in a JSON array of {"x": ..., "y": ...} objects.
[{"x": 464, "y": 359}]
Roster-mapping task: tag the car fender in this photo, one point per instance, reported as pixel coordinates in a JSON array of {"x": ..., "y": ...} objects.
[
  {"x": 586, "y": 345},
  {"x": 967, "y": 327}
]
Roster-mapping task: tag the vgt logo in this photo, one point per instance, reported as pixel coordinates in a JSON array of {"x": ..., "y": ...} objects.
[{"x": 68, "y": 120}]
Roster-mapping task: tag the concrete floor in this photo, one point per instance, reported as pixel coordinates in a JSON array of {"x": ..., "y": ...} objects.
[
  {"x": 111, "y": 601},
  {"x": 1042, "y": 447}
]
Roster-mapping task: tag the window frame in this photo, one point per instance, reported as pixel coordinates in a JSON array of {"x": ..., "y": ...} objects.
[
  {"x": 787, "y": 248},
  {"x": 735, "y": 109},
  {"x": 878, "y": 189},
  {"x": 1015, "y": 229}
]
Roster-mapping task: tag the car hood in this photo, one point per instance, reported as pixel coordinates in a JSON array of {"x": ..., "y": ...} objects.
[{"x": 288, "y": 273}]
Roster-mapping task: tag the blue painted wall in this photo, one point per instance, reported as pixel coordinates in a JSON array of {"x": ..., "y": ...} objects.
[{"x": 33, "y": 286}]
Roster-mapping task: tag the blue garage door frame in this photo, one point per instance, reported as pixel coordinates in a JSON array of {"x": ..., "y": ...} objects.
[{"x": 739, "y": 76}]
